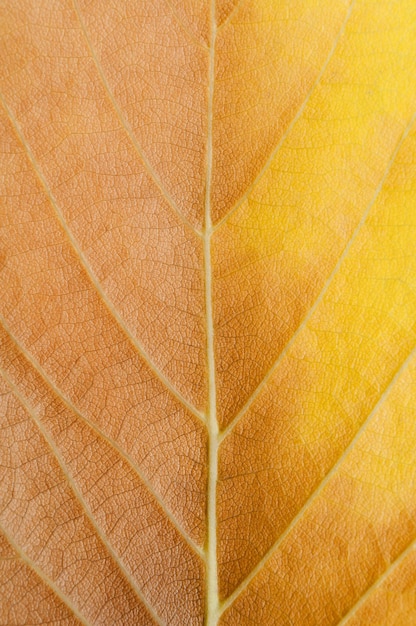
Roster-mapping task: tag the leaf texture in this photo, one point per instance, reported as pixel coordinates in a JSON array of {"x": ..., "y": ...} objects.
[{"x": 208, "y": 312}]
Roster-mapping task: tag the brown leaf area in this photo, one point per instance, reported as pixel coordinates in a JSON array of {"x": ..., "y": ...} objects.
[{"x": 207, "y": 312}]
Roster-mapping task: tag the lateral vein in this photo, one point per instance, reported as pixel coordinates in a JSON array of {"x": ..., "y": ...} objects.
[
  {"x": 127, "y": 127},
  {"x": 106, "y": 300},
  {"x": 231, "y": 14},
  {"x": 79, "y": 497},
  {"x": 292, "y": 123},
  {"x": 377, "y": 584},
  {"x": 32, "y": 565},
  {"x": 123, "y": 455},
  {"x": 326, "y": 286},
  {"x": 313, "y": 497}
]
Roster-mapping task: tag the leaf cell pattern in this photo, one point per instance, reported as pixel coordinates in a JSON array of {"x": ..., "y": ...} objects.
[{"x": 208, "y": 312}]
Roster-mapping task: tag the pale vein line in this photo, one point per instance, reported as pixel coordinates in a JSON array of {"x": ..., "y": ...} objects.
[
  {"x": 313, "y": 497},
  {"x": 190, "y": 35},
  {"x": 231, "y": 14},
  {"x": 127, "y": 127},
  {"x": 292, "y": 123},
  {"x": 377, "y": 584},
  {"x": 80, "y": 498},
  {"x": 325, "y": 288},
  {"x": 45, "y": 579},
  {"x": 109, "y": 305},
  {"x": 124, "y": 455},
  {"x": 212, "y": 597}
]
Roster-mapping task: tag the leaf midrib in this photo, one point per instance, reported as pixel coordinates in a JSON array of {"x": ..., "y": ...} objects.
[{"x": 212, "y": 595}]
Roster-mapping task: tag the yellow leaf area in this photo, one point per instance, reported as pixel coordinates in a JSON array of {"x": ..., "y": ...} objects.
[{"x": 208, "y": 312}]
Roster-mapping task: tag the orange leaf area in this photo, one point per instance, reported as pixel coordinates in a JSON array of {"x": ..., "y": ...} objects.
[{"x": 207, "y": 312}]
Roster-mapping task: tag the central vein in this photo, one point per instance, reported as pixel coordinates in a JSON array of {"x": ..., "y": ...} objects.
[{"x": 212, "y": 598}]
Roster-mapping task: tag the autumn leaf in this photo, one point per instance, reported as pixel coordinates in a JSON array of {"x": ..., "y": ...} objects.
[{"x": 208, "y": 312}]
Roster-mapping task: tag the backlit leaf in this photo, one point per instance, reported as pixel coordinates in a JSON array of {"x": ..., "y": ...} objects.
[{"x": 208, "y": 312}]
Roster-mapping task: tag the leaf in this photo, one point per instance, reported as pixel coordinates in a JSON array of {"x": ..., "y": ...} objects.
[{"x": 208, "y": 312}]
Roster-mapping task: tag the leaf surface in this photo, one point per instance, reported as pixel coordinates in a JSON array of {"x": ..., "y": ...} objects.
[{"x": 208, "y": 312}]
